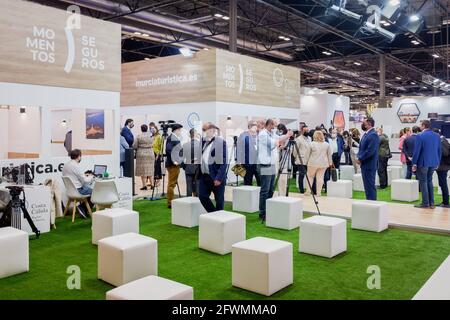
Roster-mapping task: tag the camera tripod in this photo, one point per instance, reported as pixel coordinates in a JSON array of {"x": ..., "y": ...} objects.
[
  {"x": 15, "y": 208},
  {"x": 286, "y": 159}
]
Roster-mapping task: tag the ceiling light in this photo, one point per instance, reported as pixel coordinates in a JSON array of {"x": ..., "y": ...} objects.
[
  {"x": 281, "y": 37},
  {"x": 394, "y": 2},
  {"x": 398, "y": 78},
  {"x": 425, "y": 87},
  {"x": 413, "y": 83},
  {"x": 326, "y": 53},
  {"x": 145, "y": 35},
  {"x": 287, "y": 39},
  {"x": 415, "y": 42},
  {"x": 218, "y": 15},
  {"x": 414, "y": 18},
  {"x": 226, "y": 18},
  {"x": 206, "y": 49},
  {"x": 357, "y": 63},
  {"x": 186, "y": 52},
  {"x": 435, "y": 55},
  {"x": 138, "y": 33},
  {"x": 146, "y": 58},
  {"x": 436, "y": 80}
]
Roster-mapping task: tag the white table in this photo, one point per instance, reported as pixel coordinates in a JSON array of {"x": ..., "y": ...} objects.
[{"x": 38, "y": 204}]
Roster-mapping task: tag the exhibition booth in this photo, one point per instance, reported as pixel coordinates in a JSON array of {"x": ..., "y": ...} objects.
[
  {"x": 59, "y": 89},
  {"x": 216, "y": 86}
]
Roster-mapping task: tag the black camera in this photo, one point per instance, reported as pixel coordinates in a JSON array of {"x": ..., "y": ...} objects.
[
  {"x": 166, "y": 125},
  {"x": 15, "y": 191}
]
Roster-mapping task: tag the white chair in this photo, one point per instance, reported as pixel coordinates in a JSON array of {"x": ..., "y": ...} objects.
[
  {"x": 405, "y": 190},
  {"x": 74, "y": 197},
  {"x": 104, "y": 194},
  {"x": 151, "y": 288},
  {"x": 127, "y": 257},
  {"x": 246, "y": 199},
  {"x": 370, "y": 215},
  {"x": 262, "y": 265},
  {"x": 13, "y": 252},
  {"x": 112, "y": 222},
  {"x": 323, "y": 236},
  {"x": 340, "y": 189},
  {"x": 218, "y": 231}
]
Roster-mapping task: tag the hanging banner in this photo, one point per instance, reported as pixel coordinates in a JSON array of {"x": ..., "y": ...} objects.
[{"x": 47, "y": 46}]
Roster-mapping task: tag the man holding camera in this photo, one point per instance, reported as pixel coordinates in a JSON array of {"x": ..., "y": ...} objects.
[{"x": 268, "y": 143}]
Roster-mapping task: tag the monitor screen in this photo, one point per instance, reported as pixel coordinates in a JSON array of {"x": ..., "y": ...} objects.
[{"x": 99, "y": 170}]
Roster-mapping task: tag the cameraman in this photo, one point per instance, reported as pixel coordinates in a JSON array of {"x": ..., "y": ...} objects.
[{"x": 303, "y": 143}]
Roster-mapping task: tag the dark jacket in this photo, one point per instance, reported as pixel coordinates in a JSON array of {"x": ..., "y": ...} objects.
[
  {"x": 217, "y": 159},
  {"x": 128, "y": 135},
  {"x": 445, "y": 158},
  {"x": 384, "y": 150},
  {"x": 427, "y": 150},
  {"x": 408, "y": 145},
  {"x": 173, "y": 149},
  {"x": 368, "y": 150}
]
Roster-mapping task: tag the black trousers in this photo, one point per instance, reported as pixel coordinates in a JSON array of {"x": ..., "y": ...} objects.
[
  {"x": 301, "y": 176},
  {"x": 336, "y": 160},
  {"x": 251, "y": 170},
  {"x": 382, "y": 171}
]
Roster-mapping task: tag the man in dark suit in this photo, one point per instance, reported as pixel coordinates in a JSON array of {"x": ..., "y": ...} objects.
[
  {"x": 408, "y": 150},
  {"x": 213, "y": 169},
  {"x": 368, "y": 157},
  {"x": 126, "y": 131},
  {"x": 426, "y": 158}
]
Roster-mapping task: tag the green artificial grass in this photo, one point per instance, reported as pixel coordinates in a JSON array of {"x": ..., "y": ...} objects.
[{"x": 406, "y": 259}]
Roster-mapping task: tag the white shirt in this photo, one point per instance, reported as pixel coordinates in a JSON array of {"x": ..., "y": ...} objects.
[
  {"x": 334, "y": 145},
  {"x": 72, "y": 170}
]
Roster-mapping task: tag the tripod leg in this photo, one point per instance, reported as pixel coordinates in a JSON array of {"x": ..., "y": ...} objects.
[{"x": 30, "y": 221}]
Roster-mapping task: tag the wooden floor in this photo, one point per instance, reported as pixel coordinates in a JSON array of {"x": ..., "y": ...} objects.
[{"x": 400, "y": 215}]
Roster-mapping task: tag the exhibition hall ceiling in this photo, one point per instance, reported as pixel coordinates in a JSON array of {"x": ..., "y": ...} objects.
[{"x": 329, "y": 40}]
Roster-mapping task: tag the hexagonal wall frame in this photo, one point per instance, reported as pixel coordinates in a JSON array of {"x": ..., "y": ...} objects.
[{"x": 408, "y": 113}]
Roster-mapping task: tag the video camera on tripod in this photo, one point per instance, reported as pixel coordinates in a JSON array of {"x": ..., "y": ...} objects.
[
  {"x": 165, "y": 126},
  {"x": 12, "y": 217}
]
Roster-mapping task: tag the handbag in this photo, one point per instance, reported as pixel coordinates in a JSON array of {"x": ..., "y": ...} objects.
[{"x": 333, "y": 173}]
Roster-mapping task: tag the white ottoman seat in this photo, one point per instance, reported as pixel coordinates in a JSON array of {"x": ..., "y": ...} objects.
[
  {"x": 14, "y": 254},
  {"x": 111, "y": 222},
  {"x": 405, "y": 190},
  {"x": 151, "y": 288},
  {"x": 219, "y": 230},
  {"x": 396, "y": 172},
  {"x": 246, "y": 199},
  {"x": 358, "y": 184},
  {"x": 370, "y": 215},
  {"x": 185, "y": 211},
  {"x": 340, "y": 189},
  {"x": 127, "y": 257},
  {"x": 323, "y": 236},
  {"x": 284, "y": 212},
  {"x": 346, "y": 172},
  {"x": 262, "y": 265}
]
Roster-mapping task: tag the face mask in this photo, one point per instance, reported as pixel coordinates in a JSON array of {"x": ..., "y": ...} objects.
[
  {"x": 253, "y": 129},
  {"x": 363, "y": 127},
  {"x": 306, "y": 134},
  {"x": 152, "y": 130},
  {"x": 131, "y": 126},
  {"x": 333, "y": 135}
]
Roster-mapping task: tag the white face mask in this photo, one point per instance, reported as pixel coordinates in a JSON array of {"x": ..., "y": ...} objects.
[
  {"x": 253, "y": 129},
  {"x": 333, "y": 135}
]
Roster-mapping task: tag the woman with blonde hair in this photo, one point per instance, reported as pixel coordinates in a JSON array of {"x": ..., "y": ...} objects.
[{"x": 318, "y": 158}]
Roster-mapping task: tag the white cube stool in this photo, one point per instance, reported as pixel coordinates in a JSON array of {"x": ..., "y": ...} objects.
[
  {"x": 405, "y": 190},
  {"x": 14, "y": 257},
  {"x": 219, "y": 230},
  {"x": 127, "y": 257},
  {"x": 112, "y": 222},
  {"x": 262, "y": 265},
  {"x": 151, "y": 288},
  {"x": 284, "y": 212},
  {"x": 323, "y": 236},
  {"x": 389, "y": 174},
  {"x": 435, "y": 180},
  {"x": 340, "y": 189},
  {"x": 396, "y": 172},
  {"x": 370, "y": 215},
  {"x": 358, "y": 184},
  {"x": 246, "y": 199},
  {"x": 346, "y": 172},
  {"x": 185, "y": 211}
]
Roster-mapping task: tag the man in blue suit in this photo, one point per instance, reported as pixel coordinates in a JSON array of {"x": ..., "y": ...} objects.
[
  {"x": 426, "y": 158},
  {"x": 368, "y": 157},
  {"x": 213, "y": 169},
  {"x": 126, "y": 132}
]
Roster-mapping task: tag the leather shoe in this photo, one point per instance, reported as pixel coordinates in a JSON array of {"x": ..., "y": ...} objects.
[
  {"x": 421, "y": 206},
  {"x": 444, "y": 205}
]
